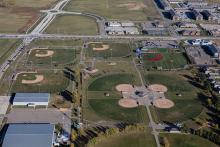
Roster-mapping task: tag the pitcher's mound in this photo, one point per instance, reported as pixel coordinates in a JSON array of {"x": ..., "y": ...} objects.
[
  {"x": 158, "y": 88},
  {"x": 127, "y": 103},
  {"x": 124, "y": 88},
  {"x": 163, "y": 103}
]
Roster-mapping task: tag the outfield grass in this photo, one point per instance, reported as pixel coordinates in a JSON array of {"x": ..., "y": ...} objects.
[
  {"x": 115, "y": 50},
  {"x": 108, "y": 83},
  {"x": 60, "y": 56},
  {"x": 186, "y": 106},
  {"x": 53, "y": 82},
  {"x": 101, "y": 107},
  {"x": 179, "y": 140},
  {"x": 170, "y": 59},
  {"x": 138, "y": 139},
  {"x": 72, "y": 24},
  {"x": 117, "y": 9},
  {"x": 109, "y": 109}
]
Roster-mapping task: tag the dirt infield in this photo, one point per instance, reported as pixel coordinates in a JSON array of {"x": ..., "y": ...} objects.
[
  {"x": 38, "y": 79},
  {"x": 48, "y": 54},
  {"x": 158, "y": 88},
  {"x": 124, "y": 88},
  {"x": 104, "y": 47},
  {"x": 163, "y": 103},
  {"x": 127, "y": 103}
]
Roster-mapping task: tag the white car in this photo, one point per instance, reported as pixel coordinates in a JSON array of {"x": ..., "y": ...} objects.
[{"x": 206, "y": 42}]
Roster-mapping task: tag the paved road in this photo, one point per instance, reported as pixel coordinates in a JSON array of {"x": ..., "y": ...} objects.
[
  {"x": 62, "y": 36},
  {"x": 152, "y": 123}
]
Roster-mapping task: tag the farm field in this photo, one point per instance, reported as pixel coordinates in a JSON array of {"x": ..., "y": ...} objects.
[
  {"x": 187, "y": 141},
  {"x": 103, "y": 107},
  {"x": 47, "y": 57},
  {"x": 41, "y": 81},
  {"x": 18, "y": 15},
  {"x": 108, "y": 50},
  {"x": 138, "y": 139},
  {"x": 187, "y": 105},
  {"x": 72, "y": 24},
  {"x": 165, "y": 58},
  {"x": 117, "y": 9},
  {"x": 31, "y": 3}
]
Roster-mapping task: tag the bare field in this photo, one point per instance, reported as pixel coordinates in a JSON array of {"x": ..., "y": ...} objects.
[
  {"x": 117, "y": 9},
  {"x": 71, "y": 24},
  {"x": 17, "y": 15}
]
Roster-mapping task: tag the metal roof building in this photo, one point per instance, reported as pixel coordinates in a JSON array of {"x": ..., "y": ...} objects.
[
  {"x": 31, "y": 99},
  {"x": 29, "y": 135}
]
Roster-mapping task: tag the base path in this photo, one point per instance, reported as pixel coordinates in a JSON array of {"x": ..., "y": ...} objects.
[
  {"x": 158, "y": 88},
  {"x": 38, "y": 79},
  {"x": 163, "y": 103},
  {"x": 124, "y": 88},
  {"x": 127, "y": 103}
]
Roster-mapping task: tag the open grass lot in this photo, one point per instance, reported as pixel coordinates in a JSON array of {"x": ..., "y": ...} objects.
[
  {"x": 186, "y": 106},
  {"x": 100, "y": 107},
  {"x": 114, "y": 50},
  {"x": 169, "y": 59},
  {"x": 54, "y": 81},
  {"x": 60, "y": 56},
  {"x": 7, "y": 46},
  {"x": 117, "y": 9},
  {"x": 72, "y": 24},
  {"x": 179, "y": 140},
  {"x": 138, "y": 139}
]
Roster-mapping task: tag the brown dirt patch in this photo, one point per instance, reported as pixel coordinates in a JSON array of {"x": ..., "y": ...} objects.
[
  {"x": 158, "y": 88},
  {"x": 124, "y": 88},
  {"x": 163, "y": 103},
  {"x": 133, "y": 6},
  {"x": 38, "y": 79},
  {"x": 127, "y": 103},
  {"x": 48, "y": 53},
  {"x": 104, "y": 47}
]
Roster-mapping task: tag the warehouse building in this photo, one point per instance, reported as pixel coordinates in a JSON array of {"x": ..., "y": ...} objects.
[
  {"x": 31, "y": 99},
  {"x": 29, "y": 135}
]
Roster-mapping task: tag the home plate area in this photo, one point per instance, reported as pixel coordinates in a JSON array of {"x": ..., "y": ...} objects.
[{"x": 134, "y": 96}]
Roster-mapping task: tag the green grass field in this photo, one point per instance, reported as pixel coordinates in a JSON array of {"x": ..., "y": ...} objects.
[
  {"x": 60, "y": 56},
  {"x": 139, "y": 139},
  {"x": 186, "y": 106},
  {"x": 178, "y": 140},
  {"x": 72, "y": 24},
  {"x": 170, "y": 59},
  {"x": 101, "y": 107},
  {"x": 114, "y": 50},
  {"x": 108, "y": 83},
  {"x": 7, "y": 46},
  {"x": 53, "y": 82},
  {"x": 117, "y": 9}
]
